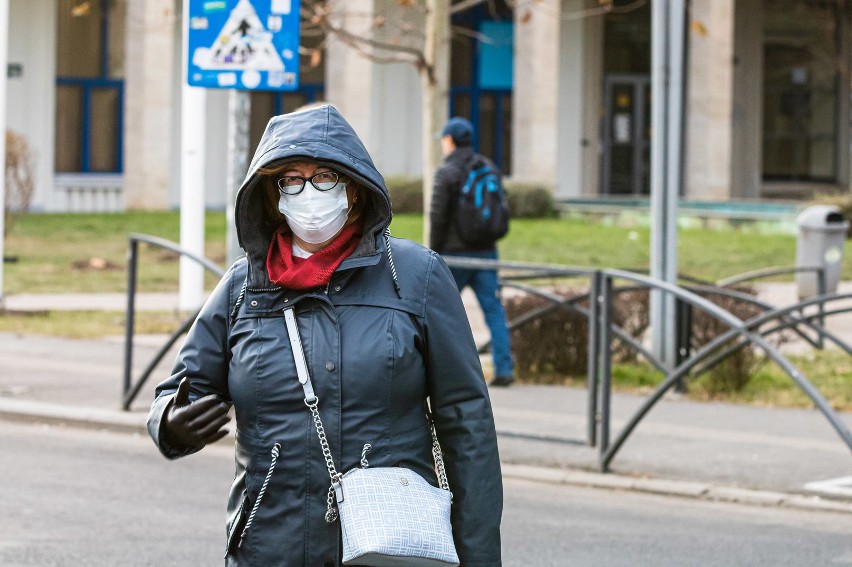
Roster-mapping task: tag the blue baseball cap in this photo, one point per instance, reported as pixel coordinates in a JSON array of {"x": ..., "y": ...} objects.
[{"x": 460, "y": 130}]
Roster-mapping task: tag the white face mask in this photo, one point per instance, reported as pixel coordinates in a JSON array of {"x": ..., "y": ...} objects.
[{"x": 316, "y": 216}]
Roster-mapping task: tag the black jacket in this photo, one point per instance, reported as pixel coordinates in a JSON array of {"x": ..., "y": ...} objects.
[
  {"x": 449, "y": 179},
  {"x": 374, "y": 355}
]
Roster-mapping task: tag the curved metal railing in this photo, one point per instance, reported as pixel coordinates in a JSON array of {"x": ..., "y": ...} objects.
[
  {"x": 602, "y": 330},
  {"x": 131, "y": 390}
]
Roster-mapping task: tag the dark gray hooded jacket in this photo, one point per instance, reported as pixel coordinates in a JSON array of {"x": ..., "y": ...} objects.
[{"x": 375, "y": 352}]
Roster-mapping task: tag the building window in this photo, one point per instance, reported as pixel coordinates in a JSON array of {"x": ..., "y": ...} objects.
[
  {"x": 89, "y": 85},
  {"x": 800, "y": 94},
  {"x": 481, "y": 76}
]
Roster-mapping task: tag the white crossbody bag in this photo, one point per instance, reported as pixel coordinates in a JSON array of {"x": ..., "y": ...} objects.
[{"x": 389, "y": 516}]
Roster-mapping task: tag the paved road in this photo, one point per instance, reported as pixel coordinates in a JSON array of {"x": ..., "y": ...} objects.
[
  {"x": 713, "y": 444},
  {"x": 76, "y": 497}
]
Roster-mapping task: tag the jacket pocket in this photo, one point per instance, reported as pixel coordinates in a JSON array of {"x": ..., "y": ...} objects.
[{"x": 237, "y": 524}]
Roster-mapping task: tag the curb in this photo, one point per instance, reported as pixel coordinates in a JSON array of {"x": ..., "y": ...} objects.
[
  {"x": 136, "y": 423},
  {"x": 675, "y": 488},
  {"x": 87, "y": 418}
]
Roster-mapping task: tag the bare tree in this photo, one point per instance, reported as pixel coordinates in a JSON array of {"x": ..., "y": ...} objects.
[
  {"x": 19, "y": 178},
  {"x": 418, "y": 32}
]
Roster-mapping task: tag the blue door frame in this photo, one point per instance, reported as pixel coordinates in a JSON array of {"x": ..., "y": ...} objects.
[
  {"x": 87, "y": 86},
  {"x": 474, "y": 93}
]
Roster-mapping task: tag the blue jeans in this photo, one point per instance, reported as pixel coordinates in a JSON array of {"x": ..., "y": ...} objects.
[{"x": 487, "y": 289}]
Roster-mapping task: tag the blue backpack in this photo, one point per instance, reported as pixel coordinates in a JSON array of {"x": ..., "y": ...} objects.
[{"x": 482, "y": 211}]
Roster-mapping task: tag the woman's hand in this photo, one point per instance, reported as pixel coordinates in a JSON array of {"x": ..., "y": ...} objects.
[{"x": 195, "y": 424}]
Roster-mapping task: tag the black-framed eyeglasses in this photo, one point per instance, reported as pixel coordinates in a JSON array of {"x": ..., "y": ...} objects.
[{"x": 322, "y": 181}]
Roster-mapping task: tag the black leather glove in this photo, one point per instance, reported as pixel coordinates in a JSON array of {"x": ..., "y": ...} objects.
[{"x": 194, "y": 425}]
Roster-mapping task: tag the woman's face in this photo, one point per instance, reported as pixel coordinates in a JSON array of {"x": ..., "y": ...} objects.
[
  {"x": 309, "y": 169},
  {"x": 293, "y": 187}
]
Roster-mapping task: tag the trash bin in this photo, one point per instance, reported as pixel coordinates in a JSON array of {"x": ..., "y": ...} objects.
[{"x": 822, "y": 232}]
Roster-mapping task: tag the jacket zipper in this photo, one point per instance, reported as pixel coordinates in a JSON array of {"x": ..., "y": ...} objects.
[{"x": 275, "y": 452}]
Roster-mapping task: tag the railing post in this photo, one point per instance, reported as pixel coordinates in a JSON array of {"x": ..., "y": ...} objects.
[
  {"x": 605, "y": 386},
  {"x": 821, "y": 288},
  {"x": 132, "y": 259},
  {"x": 683, "y": 335},
  {"x": 593, "y": 362}
]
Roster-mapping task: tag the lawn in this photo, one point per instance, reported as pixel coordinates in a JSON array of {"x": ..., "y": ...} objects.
[{"x": 88, "y": 252}]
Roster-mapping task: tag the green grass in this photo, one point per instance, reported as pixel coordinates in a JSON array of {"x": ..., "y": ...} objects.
[
  {"x": 830, "y": 371},
  {"x": 53, "y": 251},
  {"x": 86, "y": 324},
  {"x": 54, "y": 254},
  {"x": 707, "y": 254}
]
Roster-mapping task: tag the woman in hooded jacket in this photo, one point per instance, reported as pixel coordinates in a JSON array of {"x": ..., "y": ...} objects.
[{"x": 385, "y": 338}]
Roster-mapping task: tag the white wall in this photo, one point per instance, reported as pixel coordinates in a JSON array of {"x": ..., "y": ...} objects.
[
  {"x": 395, "y": 139},
  {"x": 572, "y": 106},
  {"x": 31, "y": 97},
  {"x": 592, "y": 105},
  {"x": 349, "y": 76}
]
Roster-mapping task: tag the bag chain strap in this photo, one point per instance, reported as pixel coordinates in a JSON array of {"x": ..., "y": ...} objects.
[
  {"x": 330, "y": 513},
  {"x": 311, "y": 401}
]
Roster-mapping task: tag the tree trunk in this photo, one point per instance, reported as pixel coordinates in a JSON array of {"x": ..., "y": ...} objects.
[{"x": 435, "y": 81}]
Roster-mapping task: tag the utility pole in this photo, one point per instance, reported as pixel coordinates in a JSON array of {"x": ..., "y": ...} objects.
[
  {"x": 239, "y": 114},
  {"x": 4, "y": 58},
  {"x": 667, "y": 80},
  {"x": 193, "y": 110},
  {"x": 434, "y": 81}
]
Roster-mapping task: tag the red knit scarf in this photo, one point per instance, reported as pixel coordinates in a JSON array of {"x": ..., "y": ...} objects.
[{"x": 306, "y": 273}]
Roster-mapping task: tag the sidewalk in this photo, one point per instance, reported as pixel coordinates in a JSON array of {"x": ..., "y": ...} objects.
[{"x": 713, "y": 451}]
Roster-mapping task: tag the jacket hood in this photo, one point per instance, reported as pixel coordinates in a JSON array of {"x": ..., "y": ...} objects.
[{"x": 321, "y": 135}]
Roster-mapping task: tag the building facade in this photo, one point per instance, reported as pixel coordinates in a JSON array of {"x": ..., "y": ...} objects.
[{"x": 559, "y": 91}]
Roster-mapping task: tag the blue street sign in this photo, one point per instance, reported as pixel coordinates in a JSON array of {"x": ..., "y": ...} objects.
[{"x": 244, "y": 44}]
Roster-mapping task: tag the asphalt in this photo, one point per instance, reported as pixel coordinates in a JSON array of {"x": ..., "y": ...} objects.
[{"x": 706, "y": 450}]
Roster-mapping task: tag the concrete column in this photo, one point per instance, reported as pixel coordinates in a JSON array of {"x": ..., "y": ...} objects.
[
  {"x": 746, "y": 161},
  {"x": 31, "y": 99},
  {"x": 580, "y": 77},
  {"x": 148, "y": 103},
  {"x": 709, "y": 103},
  {"x": 535, "y": 99},
  {"x": 572, "y": 108},
  {"x": 593, "y": 105},
  {"x": 349, "y": 75}
]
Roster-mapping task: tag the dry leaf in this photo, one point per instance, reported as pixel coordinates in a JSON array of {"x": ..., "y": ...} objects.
[
  {"x": 83, "y": 9},
  {"x": 699, "y": 28}
]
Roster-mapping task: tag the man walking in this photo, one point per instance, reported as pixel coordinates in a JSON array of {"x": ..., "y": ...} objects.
[{"x": 446, "y": 239}]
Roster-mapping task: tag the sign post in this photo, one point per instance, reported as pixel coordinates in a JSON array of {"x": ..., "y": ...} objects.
[
  {"x": 4, "y": 56},
  {"x": 241, "y": 45},
  {"x": 667, "y": 48}
]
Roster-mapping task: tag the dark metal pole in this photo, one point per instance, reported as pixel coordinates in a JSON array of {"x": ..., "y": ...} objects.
[
  {"x": 593, "y": 361},
  {"x": 132, "y": 259},
  {"x": 605, "y": 386}
]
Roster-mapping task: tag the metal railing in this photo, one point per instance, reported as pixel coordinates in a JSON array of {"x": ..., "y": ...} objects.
[
  {"x": 602, "y": 330},
  {"x": 131, "y": 390}
]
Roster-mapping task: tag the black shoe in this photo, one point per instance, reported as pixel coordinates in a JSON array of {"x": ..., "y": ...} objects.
[{"x": 501, "y": 381}]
